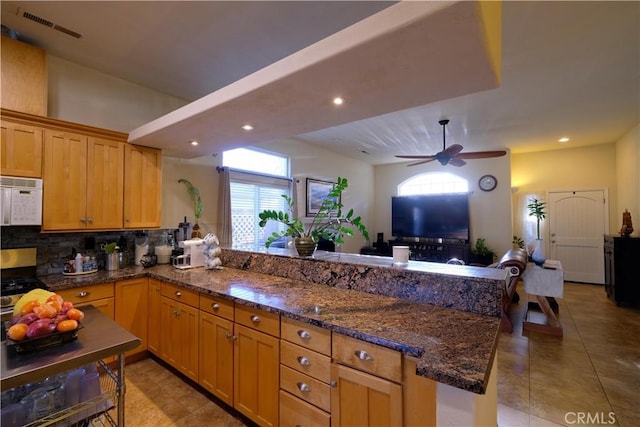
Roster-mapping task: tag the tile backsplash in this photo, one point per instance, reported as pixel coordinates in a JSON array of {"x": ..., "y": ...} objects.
[{"x": 54, "y": 248}]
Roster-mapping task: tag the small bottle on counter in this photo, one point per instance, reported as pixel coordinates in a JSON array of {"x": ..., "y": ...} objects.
[{"x": 78, "y": 263}]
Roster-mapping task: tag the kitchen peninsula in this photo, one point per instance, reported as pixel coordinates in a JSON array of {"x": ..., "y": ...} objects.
[{"x": 442, "y": 319}]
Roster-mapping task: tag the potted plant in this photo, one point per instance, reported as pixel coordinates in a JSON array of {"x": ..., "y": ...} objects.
[
  {"x": 481, "y": 252},
  {"x": 537, "y": 208},
  {"x": 112, "y": 261},
  {"x": 329, "y": 223},
  {"x": 197, "y": 207}
]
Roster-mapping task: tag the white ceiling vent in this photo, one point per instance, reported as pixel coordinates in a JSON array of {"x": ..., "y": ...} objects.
[{"x": 48, "y": 23}]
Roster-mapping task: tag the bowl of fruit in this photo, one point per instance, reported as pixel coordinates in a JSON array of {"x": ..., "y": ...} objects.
[{"x": 42, "y": 319}]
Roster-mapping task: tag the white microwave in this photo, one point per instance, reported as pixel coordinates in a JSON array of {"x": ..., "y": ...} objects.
[{"x": 21, "y": 201}]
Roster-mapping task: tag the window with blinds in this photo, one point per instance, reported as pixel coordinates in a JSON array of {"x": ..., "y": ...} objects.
[{"x": 258, "y": 180}]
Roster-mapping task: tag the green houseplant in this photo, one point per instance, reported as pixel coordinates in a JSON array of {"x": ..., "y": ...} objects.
[
  {"x": 481, "y": 252},
  {"x": 536, "y": 208},
  {"x": 197, "y": 206},
  {"x": 329, "y": 223}
]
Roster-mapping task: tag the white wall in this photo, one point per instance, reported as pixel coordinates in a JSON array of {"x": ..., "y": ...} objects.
[
  {"x": 628, "y": 179},
  {"x": 83, "y": 95},
  {"x": 490, "y": 212}
]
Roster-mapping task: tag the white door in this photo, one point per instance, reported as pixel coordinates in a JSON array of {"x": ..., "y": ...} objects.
[{"x": 576, "y": 228}]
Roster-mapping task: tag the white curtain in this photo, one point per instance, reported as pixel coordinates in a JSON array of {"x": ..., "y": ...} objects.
[
  {"x": 224, "y": 206},
  {"x": 525, "y": 225}
]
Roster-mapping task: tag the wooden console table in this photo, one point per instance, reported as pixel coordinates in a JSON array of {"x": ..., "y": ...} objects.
[{"x": 545, "y": 283}]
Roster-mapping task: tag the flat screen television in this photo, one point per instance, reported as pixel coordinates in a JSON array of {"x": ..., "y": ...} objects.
[{"x": 444, "y": 216}]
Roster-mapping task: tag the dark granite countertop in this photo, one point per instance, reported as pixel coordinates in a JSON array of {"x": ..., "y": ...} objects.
[{"x": 451, "y": 346}]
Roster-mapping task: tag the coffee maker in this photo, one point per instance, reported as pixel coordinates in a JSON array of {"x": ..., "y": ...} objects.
[{"x": 193, "y": 255}]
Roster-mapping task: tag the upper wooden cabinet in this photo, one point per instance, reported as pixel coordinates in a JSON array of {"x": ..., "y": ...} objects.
[
  {"x": 23, "y": 77},
  {"x": 21, "y": 153},
  {"x": 142, "y": 187},
  {"x": 87, "y": 174}
]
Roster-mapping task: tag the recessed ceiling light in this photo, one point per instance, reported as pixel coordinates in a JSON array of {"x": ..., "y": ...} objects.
[
  {"x": 563, "y": 139},
  {"x": 194, "y": 143},
  {"x": 338, "y": 100},
  {"x": 247, "y": 127}
]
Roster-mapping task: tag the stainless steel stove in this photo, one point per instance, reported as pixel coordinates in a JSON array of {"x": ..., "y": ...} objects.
[{"x": 18, "y": 276}]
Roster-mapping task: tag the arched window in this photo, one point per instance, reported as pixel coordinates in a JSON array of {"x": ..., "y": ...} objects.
[{"x": 433, "y": 183}]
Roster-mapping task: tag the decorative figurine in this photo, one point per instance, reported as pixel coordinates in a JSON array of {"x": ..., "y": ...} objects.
[{"x": 627, "y": 226}]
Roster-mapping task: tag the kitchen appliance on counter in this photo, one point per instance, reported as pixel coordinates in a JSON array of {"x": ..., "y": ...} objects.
[
  {"x": 21, "y": 200},
  {"x": 18, "y": 278},
  {"x": 193, "y": 255}
]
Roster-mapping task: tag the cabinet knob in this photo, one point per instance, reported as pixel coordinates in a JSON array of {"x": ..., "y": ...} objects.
[
  {"x": 83, "y": 219},
  {"x": 82, "y": 294},
  {"x": 89, "y": 219},
  {"x": 363, "y": 355},
  {"x": 255, "y": 319},
  {"x": 303, "y": 387},
  {"x": 176, "y": 313},
  {"x": 215, "y": 306},
  {"x": 304, "y": 334},
  {"x": 303, "y": 361},
  {"x": 333, "y": 384},
  {"x": 231, "y": 337},
  {"x": 126, "y": 219},
  {"x": 178, "y": 293}
]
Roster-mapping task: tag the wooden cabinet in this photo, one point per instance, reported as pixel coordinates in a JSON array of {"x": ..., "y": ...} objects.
[
  {"x": 21, "y": 150},
  {"x": 305, "y": 374},
  {"x": 621, "y": 254},
  {"x": 142, "y": 187},
  {"x": 154, "y": 312},
  {"x": 256, "y": 360},
  {"x": 23, "y": 81},
  {"x": 131, "y": 309},
  {"x": 216, "y": 347},
  {"x": 179, "y": 325},
  {"x": 83, "y": 182},
  {"x": 367, "y": 391}
]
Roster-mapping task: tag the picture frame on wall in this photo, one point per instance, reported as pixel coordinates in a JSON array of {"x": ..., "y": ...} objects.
[{"x": 317, "y": 190}]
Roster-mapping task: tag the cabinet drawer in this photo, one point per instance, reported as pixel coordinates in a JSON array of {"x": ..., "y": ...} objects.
[
  {"x": 302, "y": 359},
  {"x": 303, "y": 386},
  {"x": 178, "y": 293},
  {"x": 295, "y": 412},
  {"x": 87, "y": 293},
  {"x": 305, "y": 335},
  {"x": 372, "y": 358},
  {"x": 262, "y": 321},
  {"x": 218, "y": 306}
]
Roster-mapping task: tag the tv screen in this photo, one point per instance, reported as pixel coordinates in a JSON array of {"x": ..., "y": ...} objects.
[{"x": 443, "y": 216}]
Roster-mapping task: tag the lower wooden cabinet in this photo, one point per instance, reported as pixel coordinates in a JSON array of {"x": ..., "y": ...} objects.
[
  {"x": 295, "y": 412},
  {"x": 131, "y": 309},
  {"x": 180, "y": 329},
  {"x": 216, "y": 356},
  {"x": 361, "y": 399},
  {"x": 154, "y": 310}
]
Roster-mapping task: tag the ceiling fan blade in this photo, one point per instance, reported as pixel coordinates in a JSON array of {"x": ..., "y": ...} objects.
[
  {"x": 456, "y": 161},
  {"x": 421, "y": 162},
  {"x": 452, "y": 150},
  {"x": 481, "y": 154},
  {"x": 416, "y": 157}
]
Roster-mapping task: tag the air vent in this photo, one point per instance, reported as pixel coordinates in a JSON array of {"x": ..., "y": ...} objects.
[{"x": 47, "y": 23}]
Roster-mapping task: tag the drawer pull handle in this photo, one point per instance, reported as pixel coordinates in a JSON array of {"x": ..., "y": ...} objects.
[
  {"x": 178, "y": 293},
  {"x": 333, "y": 384},
  {"x": 363, "y": 355},
  {"x": 231, "y": 337},
  {"x": 176, "y": 313},
  {"x": 304, "y": 334},
  {"x": 255, "y": 319},
  {"x": 82, "y": 294},
  {"x": 303, "y": 387},
  {"x": 303, "y": 361},
  {"x": 215, "y": 306}
]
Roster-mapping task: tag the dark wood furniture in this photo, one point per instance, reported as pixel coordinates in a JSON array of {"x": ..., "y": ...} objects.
[
  {"x": 621, "y": 257},
  {"x": 435, "y": 251}
]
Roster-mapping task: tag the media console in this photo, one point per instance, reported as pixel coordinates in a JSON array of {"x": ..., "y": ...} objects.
[{"x": 425, "y": 251}]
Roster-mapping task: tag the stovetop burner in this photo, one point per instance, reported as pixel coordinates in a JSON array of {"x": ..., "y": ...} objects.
[{"x": 20, "y": 285}]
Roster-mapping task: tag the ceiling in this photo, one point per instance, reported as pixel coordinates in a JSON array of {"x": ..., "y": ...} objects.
[{"x": 567, "y": 69}]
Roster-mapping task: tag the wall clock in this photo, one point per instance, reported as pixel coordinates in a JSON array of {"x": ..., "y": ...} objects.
[{"x": 487, "y": 182}]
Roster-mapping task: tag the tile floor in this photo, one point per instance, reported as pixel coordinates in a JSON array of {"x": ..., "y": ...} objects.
[{"x": 592, "y": 371}]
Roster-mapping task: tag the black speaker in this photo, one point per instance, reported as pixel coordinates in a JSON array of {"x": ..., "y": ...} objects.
[{"x": 380, "y": 238}]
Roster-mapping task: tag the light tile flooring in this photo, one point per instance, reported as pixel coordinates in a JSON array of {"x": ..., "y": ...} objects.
[{"x": 575, "y": 380}]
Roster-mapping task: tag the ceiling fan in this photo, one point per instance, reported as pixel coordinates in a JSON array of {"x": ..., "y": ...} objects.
[{"x": 453, "y": 155}]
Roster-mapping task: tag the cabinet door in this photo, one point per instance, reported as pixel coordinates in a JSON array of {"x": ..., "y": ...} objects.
[
  {"x": 154, "y": 325},
  {"x": 360, "y": 399},
  {"x": 256, "y": 375},
  {"x": 142, "y": 187},
  {"x": 170, "y": 331},
  {"x": 64, "y": 181},
  {"x": 105, "y": 183},
  {"x": 216, "y": 356},
  {"x": 131, "y": 309},
  {"x": 21, "y": 150},
  {"x": 179, "y": 340}
]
